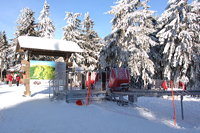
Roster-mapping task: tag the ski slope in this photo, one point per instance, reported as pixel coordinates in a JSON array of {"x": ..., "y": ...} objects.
[{"x": 37, "y": 114}]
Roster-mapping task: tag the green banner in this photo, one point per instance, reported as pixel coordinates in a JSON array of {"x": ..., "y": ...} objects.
[{"x": 42, "y": 70}]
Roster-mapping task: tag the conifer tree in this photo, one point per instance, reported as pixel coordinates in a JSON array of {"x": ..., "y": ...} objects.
[
  {"x": 92, "y": 43},
  {"x": 84, "y": 35},
  {"x": 194, "y": 28},
  {"x": 3, "y": 39},
  {"x": 26, "y": 23},
  {"x": 130, "y": 40},
  {"x": 72, "y": 32},
  {"x": 3, "y": 50},
  {"x": 7, "y": 52},
  {"x": 45, "y": 24},
  {"x": 176, "y": 41},
  {"x": 25, "y": 27}
]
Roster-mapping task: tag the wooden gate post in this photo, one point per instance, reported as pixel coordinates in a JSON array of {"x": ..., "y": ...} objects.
[{"x": 26, "y": 68}]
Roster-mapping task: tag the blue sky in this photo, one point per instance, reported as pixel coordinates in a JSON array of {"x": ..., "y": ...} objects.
[{"x": 10, "y": 10}]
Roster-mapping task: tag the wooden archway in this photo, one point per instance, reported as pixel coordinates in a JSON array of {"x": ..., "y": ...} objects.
[{"x": 29, "y": 46}]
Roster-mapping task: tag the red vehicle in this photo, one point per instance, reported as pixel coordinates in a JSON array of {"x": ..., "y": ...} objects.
[{"x": 119, "y": 79}]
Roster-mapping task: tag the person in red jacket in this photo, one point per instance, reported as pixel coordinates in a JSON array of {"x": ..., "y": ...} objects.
[
  {"x": 10, "y": 80},
  {"x": 17, "y": 79},
  {"x": 7, "y": 78}
]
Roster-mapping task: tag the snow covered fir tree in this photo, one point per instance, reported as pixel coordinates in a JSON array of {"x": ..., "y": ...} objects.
[
  {"x": 194, "y": 28},
  {"x": 26, "y": 23},
  {"x": 45, "y": 28},
  {"x": 7, "y": 52},
  {"x": 130, "y": 41},
  {"x": 92, "y": 43},
  {"x": 72, "y": 32},
  {"x": 84, "y": 35},
  {"x": 177, "y": 38},
  {"x": 26, "y": 26},
  {"x": 45, "y": 24},
  {"x": 3, "y": 50}
]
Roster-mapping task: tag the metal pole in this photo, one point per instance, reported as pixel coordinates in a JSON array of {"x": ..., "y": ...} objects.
[
  {"x": 67, "y": 78},
  {"x": 1, "y": 74},
  {"x": 49, "y": 88},
  {"x": 182, "y": 115},
  {"x": 1, "y": 62}
]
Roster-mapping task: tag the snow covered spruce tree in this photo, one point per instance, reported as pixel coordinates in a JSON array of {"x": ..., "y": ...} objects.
[
  {"x": 3, "y": 50},
  {"x": 3, "y": 39},
  {"x": 26, "y": 26},
  {"x": 11, "y": 55},
  {"x": 92, "y": 43},
  {"x": 194, "y": 28},
  {"x": 45, "y": 28},
  {"x": 175, "y": 36},
  {"x": 110, "y": 53},
  {"x": 45, "y": 24},
  {"x": 72, "y": 32},
  {"x": 26, "y": 23},
  {"x": 7, "y": 52},
  {"x": 130, "y": 41},
  {"x": 84, "y": 35}
]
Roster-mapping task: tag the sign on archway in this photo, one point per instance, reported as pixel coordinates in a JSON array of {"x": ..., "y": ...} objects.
[{"x": 41, "y": 72}]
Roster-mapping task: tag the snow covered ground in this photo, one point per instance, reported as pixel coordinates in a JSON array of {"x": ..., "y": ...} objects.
[{"x": 37, "y": 114}]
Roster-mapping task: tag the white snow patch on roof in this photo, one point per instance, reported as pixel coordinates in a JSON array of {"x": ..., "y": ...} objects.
[{"x": 48, "y": 44}]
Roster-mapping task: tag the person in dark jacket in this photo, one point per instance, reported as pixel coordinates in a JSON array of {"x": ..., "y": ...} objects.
[
  {"x": 17, "y": 79},
  {"x": 103, "y": 79},
  {"x": 4, "y": 75}
]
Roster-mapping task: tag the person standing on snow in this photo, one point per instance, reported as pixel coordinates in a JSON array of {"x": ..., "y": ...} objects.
[
  {"x": 10, "y": 80},
  {"x": 4, "y": 75},
  {"x": 7, "y": 78},
  {"x": 17, "y": 79}
]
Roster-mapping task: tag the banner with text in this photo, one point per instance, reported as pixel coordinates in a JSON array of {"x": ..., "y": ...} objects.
[{"x": 41, "y": 72}]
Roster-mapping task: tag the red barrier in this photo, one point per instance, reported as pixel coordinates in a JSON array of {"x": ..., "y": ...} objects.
[
  {"x": 89, "y": 89},
  {"x": 164, "y": 85},
  {"x": 93, "y": 76},
  {"x": 182, "y": 85}
]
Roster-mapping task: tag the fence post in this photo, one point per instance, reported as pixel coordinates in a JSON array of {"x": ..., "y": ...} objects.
[
  {"x": 89, "y": 90},
  {"x": 173, "y": 104},
  {"x": 67, "y": 80},
  {"x": 182, "y": 115}
]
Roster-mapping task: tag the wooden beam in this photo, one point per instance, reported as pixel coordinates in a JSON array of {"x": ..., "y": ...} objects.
[{"x": 47, "y": 52}]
